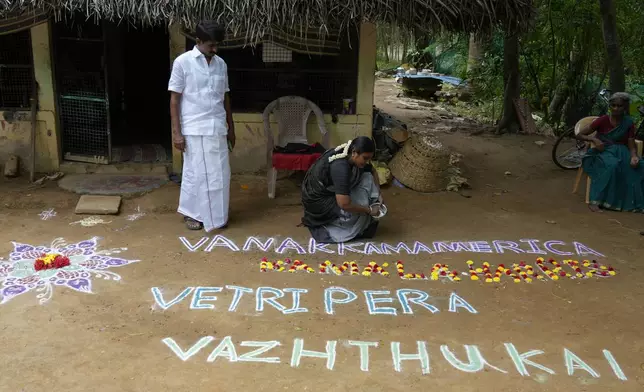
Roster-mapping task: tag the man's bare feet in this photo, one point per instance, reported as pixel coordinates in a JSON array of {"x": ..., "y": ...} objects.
[{"x": 594, "y": 208}]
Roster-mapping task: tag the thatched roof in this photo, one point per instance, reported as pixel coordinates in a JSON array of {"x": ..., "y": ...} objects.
[{"x": 256, "y": 18}]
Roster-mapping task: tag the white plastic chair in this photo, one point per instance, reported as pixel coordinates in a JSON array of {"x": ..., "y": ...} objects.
[{"x": 292, "y": 114}]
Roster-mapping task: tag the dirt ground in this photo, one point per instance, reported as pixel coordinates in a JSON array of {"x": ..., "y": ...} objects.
[{"x": 119, "y": 337}]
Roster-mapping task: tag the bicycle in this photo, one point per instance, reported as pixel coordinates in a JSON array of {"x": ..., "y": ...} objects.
[{"x": 570, "y": 158}]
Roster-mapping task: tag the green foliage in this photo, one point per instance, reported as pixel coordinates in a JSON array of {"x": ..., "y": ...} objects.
[
  {"x": 382, "y": 64},
  {"x": 562, "y": 60},
  {"x": 420, "y": 58},
  {"x": 449, "y": 54}
]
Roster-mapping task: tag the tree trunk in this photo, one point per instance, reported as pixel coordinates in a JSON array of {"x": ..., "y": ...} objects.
[
  {"x": 535, "y": 79},
  {"x": 386, "y": 49},
  {"x": 422, "y": 39},
  {"x": 509, "y": 122},
  {"x": 405, "y": 43},
  {"x": 475, "y": 54},
  {"x": 424, "y": 60},
  {"x": 616, "y": 81},
  {"x": 566, "y": 95}
]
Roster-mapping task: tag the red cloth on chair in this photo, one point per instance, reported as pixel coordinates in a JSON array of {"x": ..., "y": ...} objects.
[{"x": 294, "y": 161}]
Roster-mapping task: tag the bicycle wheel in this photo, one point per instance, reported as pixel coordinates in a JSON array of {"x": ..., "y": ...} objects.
[{"x": 568, "y": 151}]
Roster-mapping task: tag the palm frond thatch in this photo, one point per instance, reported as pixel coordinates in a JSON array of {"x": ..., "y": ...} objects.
[{"x": 256, "y": 18}]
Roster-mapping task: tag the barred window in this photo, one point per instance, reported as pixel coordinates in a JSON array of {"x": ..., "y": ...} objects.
[
  {"x": 16, "y": 70},
  {"x": 259, "y": 75}
]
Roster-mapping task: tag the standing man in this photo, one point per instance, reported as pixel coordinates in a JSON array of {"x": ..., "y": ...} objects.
[{"x": 203, "y": 129}]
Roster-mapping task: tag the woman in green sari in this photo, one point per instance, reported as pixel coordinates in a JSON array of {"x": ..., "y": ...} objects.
[{"x": 612, "y": 163}]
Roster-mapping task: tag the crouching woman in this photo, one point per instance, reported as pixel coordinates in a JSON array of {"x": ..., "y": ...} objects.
[{"x": 339, "y": 192}]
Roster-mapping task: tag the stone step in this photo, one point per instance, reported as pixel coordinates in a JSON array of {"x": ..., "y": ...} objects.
[
  {"x": 112, "y": 184},
  {"x": 98, "y": 205},
  {"x": 68, "y": 167}
]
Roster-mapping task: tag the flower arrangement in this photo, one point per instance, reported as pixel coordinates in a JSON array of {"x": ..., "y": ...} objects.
[
  {"x": 551, "y": 268},
  {"x": 327, "y": 266},
  {"x": 375, "y": 268},
  {"x": 518, "y": 272},
  {"x": 300, "y": 266},
  {"x": 51, "y": 261},
  {"x": 522, "y": 272},
  {"x": 595, "y": 268},
  {"x": 40, "y": 269},
  {"x": 487, "y": 272},
  {"x": 442, "y": 270},
  {"x": 553, "y": 274},
  {"x": 280, "y": 265}
]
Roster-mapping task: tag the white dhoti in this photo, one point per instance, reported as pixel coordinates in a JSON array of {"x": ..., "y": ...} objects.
[{"x": 205, "y": 181}]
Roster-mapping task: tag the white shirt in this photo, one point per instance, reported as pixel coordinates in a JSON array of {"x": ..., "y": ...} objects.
[{"x": 202, "y": 87}]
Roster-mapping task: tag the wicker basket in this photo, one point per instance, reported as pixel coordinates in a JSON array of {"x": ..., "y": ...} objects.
[{"x": 421, "y": 164}]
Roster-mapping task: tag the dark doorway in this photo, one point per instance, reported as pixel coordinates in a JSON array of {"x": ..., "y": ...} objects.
[
  {"x": 138, "y": 61},
  {"x": 112, "y": 90}
]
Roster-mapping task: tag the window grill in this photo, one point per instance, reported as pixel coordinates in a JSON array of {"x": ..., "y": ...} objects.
[
  {"x": 84, "y": 115},
  {"x": 272, "y": 53},
  {"x": 261, "y": 74},
  {"x": 80, "y": 81},
  {"x": 16, "y": 71},
  {"x": 253, "y": 89}
]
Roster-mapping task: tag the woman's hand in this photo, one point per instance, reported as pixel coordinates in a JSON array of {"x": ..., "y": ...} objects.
[
  {"x": 374, "y": 210},
  {"x": 634, "y": 161},
  {"x": 599, "y": 145}
]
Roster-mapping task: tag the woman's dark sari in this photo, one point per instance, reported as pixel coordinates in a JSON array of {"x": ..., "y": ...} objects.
[{"x": 318, "y": 193}]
